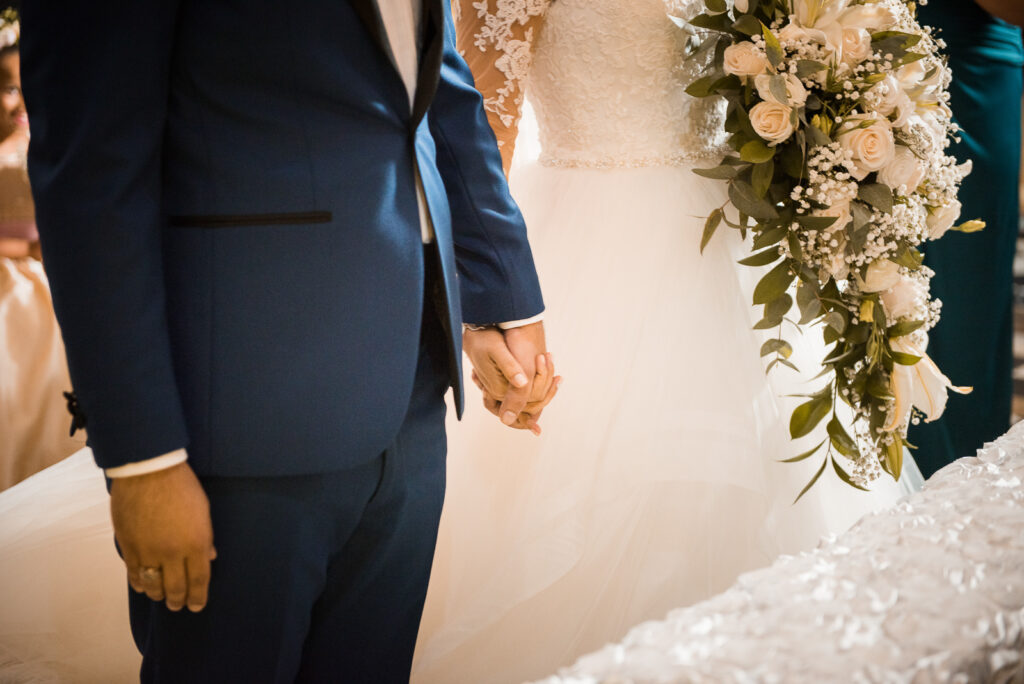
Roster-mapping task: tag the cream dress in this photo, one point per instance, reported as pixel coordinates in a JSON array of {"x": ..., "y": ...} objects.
[{"x": 655, "y": 482}]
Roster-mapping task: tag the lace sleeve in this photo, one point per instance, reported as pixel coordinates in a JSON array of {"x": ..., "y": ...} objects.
[{"x": 496, "y": 39}]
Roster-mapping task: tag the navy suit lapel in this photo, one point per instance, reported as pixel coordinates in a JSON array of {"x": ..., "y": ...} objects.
[
  {"x": 369, "y": 13},
  {"x": 430, "y": 58}
]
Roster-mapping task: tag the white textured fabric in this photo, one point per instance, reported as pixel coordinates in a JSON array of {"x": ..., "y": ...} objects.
[
  {"x": 929, "y": 591},
  {"x": 149, "y": 465}
]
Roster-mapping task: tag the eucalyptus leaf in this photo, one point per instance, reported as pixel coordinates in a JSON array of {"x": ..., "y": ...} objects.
[
  {"x": 805, "y": 68},
  {"x": 813, "y": 480},
  {"x": 778, "y": 307},
  {"x": 772, "y": 236},
  {"x": 772, "y": 46},
  {"x": 804, "y": 456},
  {"x": 723, "y": 172},
  {"x": 716, "y": 6},
  {"x": 768, "y": 323},
  {"x": 761, "y": 176},
  {"x": 835, "y": 321},
  {"x": 861, "y": 215},
  {"x": 807, "y": 415},
  {"x": 904, "y": 359},
  {"x": 845, "y": 477},
  {"x": 768, "y": 256},
  {"x": 794, "y": 247},
  {"x": 877, "y": 195},
  {"x": 909, "y": 257},
  {"x": 710, "y": 226},
  {"x": 747, "y": 24},
  {"x": 818, "y": 223},
  {"x": 774, "y": 284},
  {"x": 746, "y": 200},
  {"x": 787, "y": 363},
  {"x": 701, "y": 87},
  {"x": 780, "y": 347},
  {"x": 878, "y": 387},
  {"x": 756, "y": 152},
  {"x": 807, "y": 300},
  {"x": 777, "y": 86},
  {"x": 903, "y": 328},
  {"x": 841, "y": 439}
]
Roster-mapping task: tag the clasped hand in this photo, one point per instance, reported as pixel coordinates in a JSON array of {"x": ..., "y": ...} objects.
[{"x": 515, "y": 373}]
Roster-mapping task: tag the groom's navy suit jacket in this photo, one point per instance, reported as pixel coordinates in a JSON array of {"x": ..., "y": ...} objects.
[{"x": 227, "y": 202}]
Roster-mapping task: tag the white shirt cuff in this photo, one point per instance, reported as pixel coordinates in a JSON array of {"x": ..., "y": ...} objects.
[
  {"x": 519, "y": 324},
  {"x": 150, "y": 465}
]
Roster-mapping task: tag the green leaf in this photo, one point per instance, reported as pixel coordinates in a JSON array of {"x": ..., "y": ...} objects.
[
  {"x": 903, "y": 328},
  {"x": 794, "y": 247},
  {"x": 807, "y": 300},
  {"x": 835, "y": 320},
  {"x": 743, "y": 197},
  {"x": 893, "y": 462},
  {"x": 787, "y": 363},
  {"x": 701, "y": 87},
  {"x": 713, "y": 22},
  {"x": 768, "y": 323},
  {"x": 723, "y": 172},
  {"x": 774, "y": 284},
  {"x": 777, "y": 86},
  {"x": 792, "y": 161},
  {"x": 904, "y": 359},
  {"x": 845, "y": 477},
  {"x": 780, "y": 347},
  {"x": 805, "y": 68},
  {"x": 772, "y": 236},
  {"x": 818, "y": 223},
  {"x": 716, "y": 6},
  {"x": 710, "y": 226},
  {"x": 807, "y": 415},
  {"x": 877, "y": 195},
  {"x": 841, "y": 439},
  {"x": 747, "y": 24},
  {"x": 778, "y": 308},
  {"x": 817, "y": 137},
  {"x": 878, "y": 386},
  {"x": 768, "y": 256},
  {"x": 756, "y": 152},
  {"x": 910, "y": 258},
  {"x": 804, "y": 456},
  {"x": 761, "y": 177},
  {"x": 772, "y": 46},
  {"x": 813, "y": 480}
]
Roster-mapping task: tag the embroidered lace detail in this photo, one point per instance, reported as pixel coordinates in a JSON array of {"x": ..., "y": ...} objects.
[
  {"x": 498, "y": 21},
  {"x": 608, "y": 85},
  {"x": 635, "y": 162}
]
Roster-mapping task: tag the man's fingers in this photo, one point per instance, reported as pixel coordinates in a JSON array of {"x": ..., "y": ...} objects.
[
  {"x": 514, "y": 403},
  {"x": 197, "y": 567},
  {"x": 491, "y": 404},
  {"x": 133, "y": 568},
  {"x": 175, "y": 584},
  {"x": 151, "y": 577},
  {"x": 516, "y": 375}
]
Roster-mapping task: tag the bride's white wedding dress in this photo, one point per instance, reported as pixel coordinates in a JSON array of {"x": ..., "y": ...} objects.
[{"x": 655, "y": 482}]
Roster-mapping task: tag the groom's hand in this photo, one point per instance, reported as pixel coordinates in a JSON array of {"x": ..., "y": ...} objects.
[
  {"x": 162, "y": 524},
  {"x": 506, "y": 365}
]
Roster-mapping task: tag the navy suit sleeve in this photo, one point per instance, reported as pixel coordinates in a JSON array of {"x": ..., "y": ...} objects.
[
  {"x": 95, "y": 77},
  {"x": 497, "y": 278}
]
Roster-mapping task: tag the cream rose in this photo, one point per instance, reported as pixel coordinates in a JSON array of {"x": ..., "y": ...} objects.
[
  {"x": 856, "y": 46},
  {"x": 873, "y": 17},
  {"x": 771, "y": 121},
  {"x": 942, "y": 219},
  {"x": 881, "y": 275},
  {"x": 871, "y": 147},
  {"x": 795, "y": 90},
  {"x": 905, "y": 170},
  {"x": 904, "y": 299},
  {"x": 745, "y": 59}
]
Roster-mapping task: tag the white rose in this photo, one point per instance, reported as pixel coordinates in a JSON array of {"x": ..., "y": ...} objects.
[
  {"x": 818, "y": 13},
  {"x": 904, "y": 170},
  {"x": 905, "y": 108},
  {"x": 856, "y": 46},
  {"x": 881, "y": 275},
  {"x": 741, "y": 5},
  {"x": 903, "y": 300},
  {"x": 794, "y": 89},
  {"x": 873, "y": 18},
  {"x": 942, "y": 219},
  {"x": 745, "y": 59},
  {"x": 871, "y": 148},
  {"x": 771, "y": 121},
  {"x": 885, "y": 95}
]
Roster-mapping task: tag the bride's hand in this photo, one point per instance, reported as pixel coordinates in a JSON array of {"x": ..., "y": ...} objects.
[{"x": 545, "y": 387}]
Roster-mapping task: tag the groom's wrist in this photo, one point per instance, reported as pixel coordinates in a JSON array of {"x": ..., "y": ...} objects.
[
  {"x": 149, "y": 465},
  {"x": 509, "y": 325}
]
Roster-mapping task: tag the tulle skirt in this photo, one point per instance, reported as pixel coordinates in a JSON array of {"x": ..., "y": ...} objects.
[
  {"x": 34, "y": 421},
  {"x": 655, "y": 482}
]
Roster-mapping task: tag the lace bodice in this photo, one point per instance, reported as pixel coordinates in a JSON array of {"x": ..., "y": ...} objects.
[{"x": 606, "y": 78}]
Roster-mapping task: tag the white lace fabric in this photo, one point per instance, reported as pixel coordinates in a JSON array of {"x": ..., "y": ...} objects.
[
  {"x": 929, "y": 591},
  {"x": 607, "y": 79}
]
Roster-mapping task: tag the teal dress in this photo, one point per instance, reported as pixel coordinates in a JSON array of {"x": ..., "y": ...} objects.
[{"x": 974, "y": 273}]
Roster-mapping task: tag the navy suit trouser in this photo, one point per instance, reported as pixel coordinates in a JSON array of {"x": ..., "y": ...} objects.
[{"x": 319, "y": 578}]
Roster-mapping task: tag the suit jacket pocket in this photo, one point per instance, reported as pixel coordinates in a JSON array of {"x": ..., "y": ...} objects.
[{"x": 237, "y": 220}]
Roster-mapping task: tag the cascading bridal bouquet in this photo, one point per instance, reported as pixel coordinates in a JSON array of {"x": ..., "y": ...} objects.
[{"x": 839, "y": 125}]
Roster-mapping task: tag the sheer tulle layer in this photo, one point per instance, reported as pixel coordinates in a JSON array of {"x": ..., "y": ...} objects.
[{"x": 654, "y": 484}]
